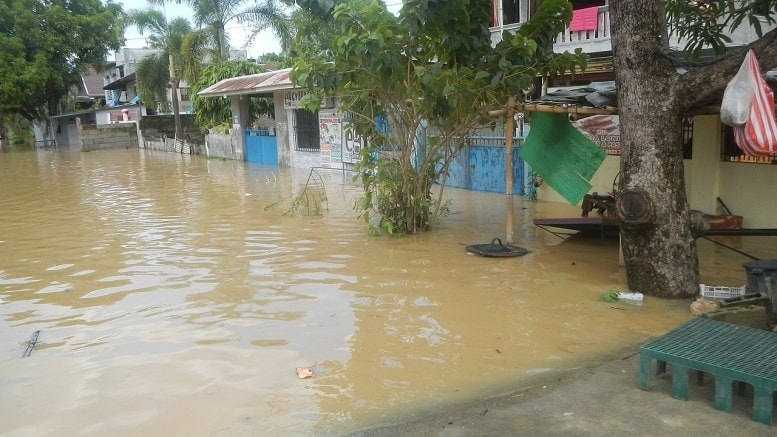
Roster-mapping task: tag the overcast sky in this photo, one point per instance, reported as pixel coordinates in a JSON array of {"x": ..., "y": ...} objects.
[{"x": 265, "y": 42}]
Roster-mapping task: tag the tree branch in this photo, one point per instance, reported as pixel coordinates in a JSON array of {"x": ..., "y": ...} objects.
[{"x": 704, "y": 84}]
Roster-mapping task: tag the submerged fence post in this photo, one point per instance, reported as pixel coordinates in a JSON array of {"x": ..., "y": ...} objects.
[{"x": 509, "y": 130}]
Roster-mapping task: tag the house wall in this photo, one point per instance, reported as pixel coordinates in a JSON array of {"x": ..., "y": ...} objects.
[
  {"x": 62, "y": 129},
  {"x": 108, "y": 137},
  {"x": 305, "y": 159},
  {"x": 741, "y": 186},
  {"x": 65, "y": 132},
  {"x": 282, "y": 131},
  {"x": 68, "y": 133},
  {"x": 745, "y": 188},
  {"x": 702, "y": 173},
  {"x": 296, "y": 158},
  {"x": 116, "y": 114},
  {"x": 223, "y": 146},
  {"x": 482, "y": 168},
  {"x": 157, "y": 127}
]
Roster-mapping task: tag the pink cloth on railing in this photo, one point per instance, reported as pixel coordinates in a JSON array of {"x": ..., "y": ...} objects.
[{"x": 584, "y": 19}]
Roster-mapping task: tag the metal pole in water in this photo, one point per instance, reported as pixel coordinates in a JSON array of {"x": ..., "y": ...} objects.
[
  {"x": 509, "y": 131},
  {"x": 31, "y": 345}
]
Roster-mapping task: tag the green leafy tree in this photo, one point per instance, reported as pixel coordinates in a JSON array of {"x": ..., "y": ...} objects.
[
  {"x": 432, "y": 71},
  {"x": 46, "y": 45},
  {"x": 215, "y": 111},
  {"x": 167, "y": 36},
  {"x": 655, "y": 89},
  {"x": 313, "y": 30},
  {"x": 153, "y": 79},
  {"x": 275, "y": 61}
]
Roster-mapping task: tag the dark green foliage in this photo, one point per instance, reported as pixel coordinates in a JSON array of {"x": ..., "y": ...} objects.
[
  {"x": 276, "y": 60},
  {"x": 153, "y": 77},
  {"x": 432, "y": 71},
  {"x": 213, "y": 111},
  {"x": 45, "y": 46},
  {"x": 705, "y": 23}
]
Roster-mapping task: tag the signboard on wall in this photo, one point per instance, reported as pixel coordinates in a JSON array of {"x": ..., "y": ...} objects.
[
  {"x": 352, "y": 145},
  {"x": 331, "y": 134},
  {"x": 291, "y": 100},
  {"x": 602, "y": 130}
]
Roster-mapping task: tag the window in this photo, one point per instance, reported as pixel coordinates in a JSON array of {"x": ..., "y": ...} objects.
[
  {"x": 510, "y": 12},
  {"x": 687, "y": 137},
  {"x": 306, "y": 131},
  {"x": 184, "y": 93},
  {"x": 583, "y": 4},
  {"x": 730, "y": 151}
]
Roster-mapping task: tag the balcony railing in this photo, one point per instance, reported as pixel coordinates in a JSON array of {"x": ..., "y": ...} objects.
[
  {"x": 584, "y": 37},
  {"x": 590, "y": 41}
]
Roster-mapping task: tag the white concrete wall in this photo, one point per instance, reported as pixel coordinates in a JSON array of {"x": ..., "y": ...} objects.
[
  {"x": 702, "y": 173},
  {"x": 283, "y": 134},
  {"x": 748, "y": 190}
]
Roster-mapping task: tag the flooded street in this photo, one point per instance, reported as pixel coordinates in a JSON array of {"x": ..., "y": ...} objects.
[{"x": 172, "y": 298}]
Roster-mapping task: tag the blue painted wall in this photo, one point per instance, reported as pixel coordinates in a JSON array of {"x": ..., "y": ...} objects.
[
  {"x": 481, "y": 168},
  {"x": 261, "y": 147}
]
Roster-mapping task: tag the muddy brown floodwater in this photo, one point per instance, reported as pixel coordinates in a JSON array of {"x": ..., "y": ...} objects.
[{"x": 171, "y": 301}]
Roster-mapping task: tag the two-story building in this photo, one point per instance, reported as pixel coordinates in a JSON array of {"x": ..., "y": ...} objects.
[{"x": 715, "y": 168}]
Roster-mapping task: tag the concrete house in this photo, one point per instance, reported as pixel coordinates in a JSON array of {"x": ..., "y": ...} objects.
[{"x": 296, "y": 137}]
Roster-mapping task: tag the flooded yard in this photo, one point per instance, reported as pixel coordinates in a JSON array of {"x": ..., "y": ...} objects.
[{"x": 172, "y": 298}]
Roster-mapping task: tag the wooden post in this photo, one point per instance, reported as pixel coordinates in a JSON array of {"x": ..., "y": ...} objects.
[{"x": 509, "y": 131}]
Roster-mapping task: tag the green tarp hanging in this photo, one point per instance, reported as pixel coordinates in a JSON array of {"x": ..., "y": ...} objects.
[{"x": 561, "y": 155}]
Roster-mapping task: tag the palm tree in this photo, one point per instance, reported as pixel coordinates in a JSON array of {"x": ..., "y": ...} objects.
[
  {"x": 214, "y": 15},
  {"x": 269, "y": 15},
  {"x": 169, "y": 37}
]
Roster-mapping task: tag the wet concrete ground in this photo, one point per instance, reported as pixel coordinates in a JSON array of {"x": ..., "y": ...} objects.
[{"x": 602, "y": 400}]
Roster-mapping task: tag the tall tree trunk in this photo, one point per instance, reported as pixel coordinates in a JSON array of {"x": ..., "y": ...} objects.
[
  {"x": 221, "y": 35},
  {"x": 658, "y": 247},
  {"x": 174, "y": 96}
]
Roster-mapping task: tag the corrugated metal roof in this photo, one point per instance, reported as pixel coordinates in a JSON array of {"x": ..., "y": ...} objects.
[
  {"x": 120, "y": 84},
  {"x": 252, "y": 84}
]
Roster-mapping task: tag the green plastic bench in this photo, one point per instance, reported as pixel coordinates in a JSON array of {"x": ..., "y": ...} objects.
[{"x": 728, "y": 352}]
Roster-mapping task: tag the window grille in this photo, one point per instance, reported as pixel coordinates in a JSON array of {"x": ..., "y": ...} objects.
[
  {"x": 687, "y": 137},
  {"x": 306, "y": 131}
]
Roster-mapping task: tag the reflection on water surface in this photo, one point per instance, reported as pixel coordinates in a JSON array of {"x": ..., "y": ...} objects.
[{"x": 171, "y": 301}]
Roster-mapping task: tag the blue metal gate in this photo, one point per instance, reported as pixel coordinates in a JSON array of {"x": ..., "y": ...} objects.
[
  {"x": 481, "y": 166},
  {"x": 261, "y": 146}
]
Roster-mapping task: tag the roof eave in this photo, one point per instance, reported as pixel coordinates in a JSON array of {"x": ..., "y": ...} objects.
[{"x": 252, "y": 91}]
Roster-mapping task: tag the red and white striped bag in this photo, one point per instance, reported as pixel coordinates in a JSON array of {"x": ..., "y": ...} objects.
[{"x": 758, "y": 136}]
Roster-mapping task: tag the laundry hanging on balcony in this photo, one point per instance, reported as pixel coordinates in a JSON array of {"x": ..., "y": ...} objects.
[
  {"x": 584, "y": 19},
  {"x": 748, "y": 105}
]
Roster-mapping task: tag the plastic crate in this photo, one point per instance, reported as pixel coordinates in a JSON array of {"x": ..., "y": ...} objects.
[{"x": 721, "y": 292}]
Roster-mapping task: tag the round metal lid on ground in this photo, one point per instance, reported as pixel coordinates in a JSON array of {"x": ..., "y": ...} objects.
[{"x": 496, "y": 248}]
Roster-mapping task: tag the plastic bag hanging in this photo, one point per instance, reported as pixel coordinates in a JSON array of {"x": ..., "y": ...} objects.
[
  {"x": 735, "y": 107},
  {"x": 758, "y": 135}
]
